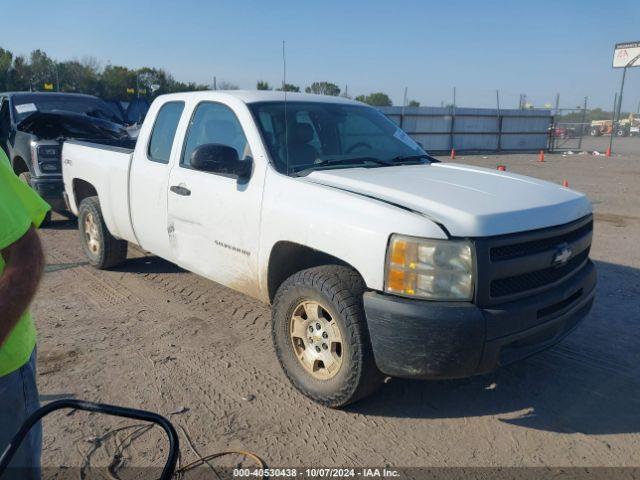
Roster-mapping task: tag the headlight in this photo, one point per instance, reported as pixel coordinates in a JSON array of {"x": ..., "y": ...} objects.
[{"x": 429, "y": 269}]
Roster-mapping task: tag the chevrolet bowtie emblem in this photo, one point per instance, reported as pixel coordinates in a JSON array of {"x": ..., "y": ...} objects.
[{"x": 563, "y": 254}]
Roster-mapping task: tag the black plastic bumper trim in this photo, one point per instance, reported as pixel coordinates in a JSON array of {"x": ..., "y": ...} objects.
[{"x": 423, "y": 339}]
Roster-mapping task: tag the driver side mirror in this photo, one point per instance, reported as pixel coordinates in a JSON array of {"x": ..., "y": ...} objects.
[{"x": 220, "y": 159}]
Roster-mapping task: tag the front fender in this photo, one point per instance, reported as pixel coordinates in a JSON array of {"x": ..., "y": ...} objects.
[{"x": 345, "y": 225}]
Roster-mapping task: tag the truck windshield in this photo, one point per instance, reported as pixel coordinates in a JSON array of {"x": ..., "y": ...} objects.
[
  {"x": 25, "y": 105},
  {"x": 331, "y": 135}
]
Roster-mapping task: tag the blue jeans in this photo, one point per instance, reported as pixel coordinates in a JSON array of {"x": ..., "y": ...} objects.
[{"x": 18, "y": 399}]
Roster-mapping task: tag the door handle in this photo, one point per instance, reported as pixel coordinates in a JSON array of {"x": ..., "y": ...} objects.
[{"x": 177, "y": 189}]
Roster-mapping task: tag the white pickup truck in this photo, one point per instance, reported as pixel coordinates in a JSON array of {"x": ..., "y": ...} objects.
[{"x": 378, "y": 260}]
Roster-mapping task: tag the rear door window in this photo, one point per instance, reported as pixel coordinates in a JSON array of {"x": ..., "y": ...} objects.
[{"x": 164, "y": 131}]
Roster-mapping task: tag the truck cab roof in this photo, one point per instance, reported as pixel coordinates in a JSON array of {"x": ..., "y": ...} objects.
[{"x": 255, "y": 96}]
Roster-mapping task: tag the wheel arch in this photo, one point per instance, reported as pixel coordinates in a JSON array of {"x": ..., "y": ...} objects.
[
  {"x": 81, "y": 190},
  {"x": 20, "y": 165},
  {"x": 287, "y": 258}
]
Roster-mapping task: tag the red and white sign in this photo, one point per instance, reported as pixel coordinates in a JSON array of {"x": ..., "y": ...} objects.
[{"x": 624, "y": 53}]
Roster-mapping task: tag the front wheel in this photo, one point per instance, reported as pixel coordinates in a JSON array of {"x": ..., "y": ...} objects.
[
  {"x": 321, "y": 337},
  {"x": 101, "y": 248}
]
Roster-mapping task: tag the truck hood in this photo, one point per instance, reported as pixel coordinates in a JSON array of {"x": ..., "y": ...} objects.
[
  {"x": 64, "y": 125},
  {"x": 467, "y": 201}
]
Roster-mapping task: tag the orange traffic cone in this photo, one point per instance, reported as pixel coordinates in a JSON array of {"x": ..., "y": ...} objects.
[
  {"x": 565, "y": 183},
  {"x": 608, "y": 154},
  {"x": 502, "y": 168},
  {"x": 541, "y": 156},
  {"x": 453, "y": 154}
]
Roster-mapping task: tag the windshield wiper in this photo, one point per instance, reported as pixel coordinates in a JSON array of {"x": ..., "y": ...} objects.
[
  {"x": 413, "y": 158},
  {"x": 305, "y": 169}
]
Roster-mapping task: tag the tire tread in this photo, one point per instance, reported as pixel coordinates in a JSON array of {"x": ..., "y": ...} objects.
[
  {"x": 114, "y": 251},
  {"x": 344, "y": 288}
]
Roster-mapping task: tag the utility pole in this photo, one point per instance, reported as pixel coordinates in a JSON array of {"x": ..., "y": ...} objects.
[
  {"x": 613, "y": 120},
  {"x": 523, "y": 101},
  {"x": 404, "y": 104},
  {"x": 215, "y": 85},
  {"x": 454, "y": 97},
  {"x": 583, "y": 123},
  {"x": 557, "y": 104},
  {"x": 57, "y": 77},
  {"x": 499, "y": 118}
]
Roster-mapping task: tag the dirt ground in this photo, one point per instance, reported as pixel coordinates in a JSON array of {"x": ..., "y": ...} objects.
[{"x": 151, "y": 336}]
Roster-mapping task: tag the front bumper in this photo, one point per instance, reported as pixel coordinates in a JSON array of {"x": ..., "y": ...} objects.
[
  {"x": 51, "y": 189},
  {"x": 424, "y": 339}
]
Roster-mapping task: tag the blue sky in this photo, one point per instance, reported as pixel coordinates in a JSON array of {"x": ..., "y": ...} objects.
[{"x": 539, "y": 47}]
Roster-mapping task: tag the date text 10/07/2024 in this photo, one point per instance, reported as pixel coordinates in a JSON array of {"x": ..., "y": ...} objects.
[{"x": 316, "y": 472}]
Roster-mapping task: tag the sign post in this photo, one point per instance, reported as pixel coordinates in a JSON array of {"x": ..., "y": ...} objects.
[{"x": 625, "y": 55}]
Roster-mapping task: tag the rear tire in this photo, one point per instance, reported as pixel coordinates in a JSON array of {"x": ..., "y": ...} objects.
[
  {"x": 338, "y": 292},
  {"x": 101, "y": 248}
]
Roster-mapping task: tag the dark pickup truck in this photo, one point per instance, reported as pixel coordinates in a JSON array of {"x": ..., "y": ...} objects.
[{"x": 34, "y": 125}]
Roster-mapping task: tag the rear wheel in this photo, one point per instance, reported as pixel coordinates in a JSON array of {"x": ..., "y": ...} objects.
[
  {"x": 26, "y": 178},
  {"x": 321, "y": 338},
  {"x": 101, "y": 248}
]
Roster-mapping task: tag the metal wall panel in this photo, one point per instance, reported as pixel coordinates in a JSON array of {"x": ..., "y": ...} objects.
[{"x": 473, "y": 129}]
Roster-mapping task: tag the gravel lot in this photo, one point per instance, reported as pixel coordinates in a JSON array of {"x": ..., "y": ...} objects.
[{"x": 152, "y": 336}]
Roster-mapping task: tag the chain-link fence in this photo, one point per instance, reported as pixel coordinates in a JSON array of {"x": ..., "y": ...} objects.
[{"x": 574, "y": 129}]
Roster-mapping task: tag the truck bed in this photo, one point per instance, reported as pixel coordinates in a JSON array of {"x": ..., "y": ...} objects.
[
  {"x": 120, "y": 145},
  {"x": 103, "y": 167}
]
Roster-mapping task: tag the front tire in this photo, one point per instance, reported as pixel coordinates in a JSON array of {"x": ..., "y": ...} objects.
[
  {"x": 321, "y": 338},
  {"x": 101, "y": 248}
]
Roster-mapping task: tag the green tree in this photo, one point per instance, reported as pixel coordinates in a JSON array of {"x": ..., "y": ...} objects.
[
  {"x": 324, "y": 88},
  {"x": 6, "y": 64},
  {"x": 594, "y": 114},
  {"x": 43, "y": 69},
  {"x": 20, "y": 75},
  {"x": 377, "y": 99},
  {"x": 288, "y": 87},
  {"x": 76, "y": 76},
  {"x": 190, "y": 87},
  {"x": 263, "y": 85},
  {"x": 223, "y": 85},
  {"x": 413, "y": 103},
  {"x": 117, "y": 83}
]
